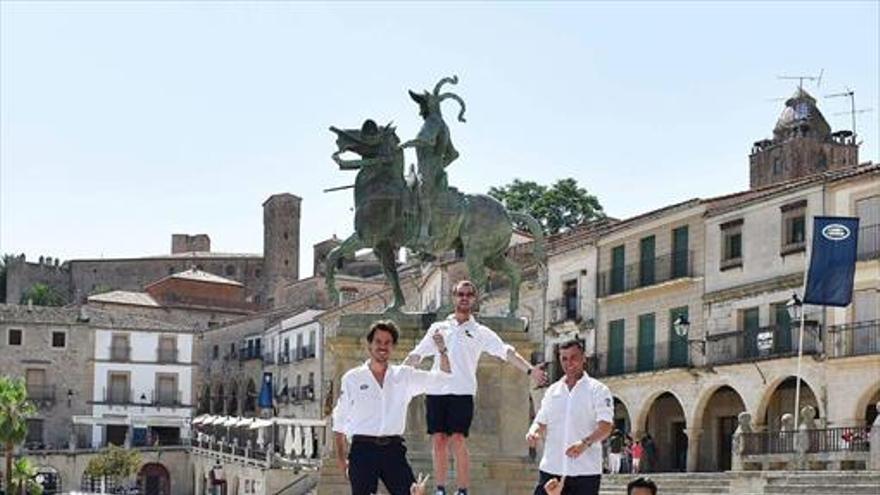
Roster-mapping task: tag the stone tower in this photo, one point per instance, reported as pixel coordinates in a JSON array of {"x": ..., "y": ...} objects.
[
  {"x": 280, "y": 243},
  {"x": 802, "y": 144}
]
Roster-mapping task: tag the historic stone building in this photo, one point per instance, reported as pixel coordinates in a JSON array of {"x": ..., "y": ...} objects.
[{"x": 260, "y": 274}]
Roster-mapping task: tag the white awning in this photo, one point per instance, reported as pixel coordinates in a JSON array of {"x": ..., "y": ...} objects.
[{"x": 202, "y": 419}]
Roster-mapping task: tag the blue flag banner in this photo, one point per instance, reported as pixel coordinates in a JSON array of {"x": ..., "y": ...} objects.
[
  {"x": 832, "y": 262},
  {"x": 265, "y": 401}
]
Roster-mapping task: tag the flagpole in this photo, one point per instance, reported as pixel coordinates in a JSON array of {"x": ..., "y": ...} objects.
[{"x": 797, "y": 386}]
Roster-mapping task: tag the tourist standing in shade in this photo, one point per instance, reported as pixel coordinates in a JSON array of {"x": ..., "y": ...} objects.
[{"x": 576, "y": 415}]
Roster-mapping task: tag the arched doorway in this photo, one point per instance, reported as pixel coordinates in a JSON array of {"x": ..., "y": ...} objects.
[
  {"x": 720, "y": 419},
  {"x": 232, "y": 405},
  {"x": 621, "y": 416},
  {"x": 870, "y": 412},
  {"x": 250, "y": 399},
  {"x": 153, "y": 479},
  {"x": 666, "y": 424},
  {"x": 219, "y": 400},
  {"x": 781, "y": 401},
  {"x": 49, "y": 478}
]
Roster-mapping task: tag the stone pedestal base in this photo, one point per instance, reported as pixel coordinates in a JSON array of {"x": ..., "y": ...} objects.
[{"x": 499, "y": 453}]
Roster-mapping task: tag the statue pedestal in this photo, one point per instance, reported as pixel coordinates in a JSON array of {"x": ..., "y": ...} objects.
[{"x": 499, "y": 453}]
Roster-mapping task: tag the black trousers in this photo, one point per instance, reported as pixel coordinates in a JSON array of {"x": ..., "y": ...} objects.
[
  {"x": 574, "y": 485},
  {"x": 369, "y": 462}
]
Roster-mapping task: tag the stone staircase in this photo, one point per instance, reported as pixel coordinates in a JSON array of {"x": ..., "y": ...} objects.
[
  {"x": 489, "y": 476},
  {"x": 507, "y": 476},
  {"x": 755, "y": 483}
]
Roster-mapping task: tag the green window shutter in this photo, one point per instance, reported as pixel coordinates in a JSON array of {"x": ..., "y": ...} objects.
[
  {"x": 646, "y": 342},
  {"x": 615, "y": 347},
  {"x": 617, "y": 269},
  {"x": 678, "y": 345},
  {"x": 680, "y": 252},
  {"x": 782, "y": 335},
  {"x": 646, "y": 262}
]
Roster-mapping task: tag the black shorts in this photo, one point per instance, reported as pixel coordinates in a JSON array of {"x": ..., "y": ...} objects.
[{"x": 449, "y": 413}]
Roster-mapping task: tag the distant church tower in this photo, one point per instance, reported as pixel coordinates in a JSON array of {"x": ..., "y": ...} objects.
[
  {"x": 802, "y": 144},
  {"x": 281, "y": 214}
]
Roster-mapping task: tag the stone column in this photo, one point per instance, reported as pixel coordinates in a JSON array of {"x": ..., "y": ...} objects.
[{"x": 693, "y": 458}]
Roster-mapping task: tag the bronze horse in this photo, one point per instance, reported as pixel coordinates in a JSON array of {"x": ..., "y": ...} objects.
[{"x": 388, "y": 216}]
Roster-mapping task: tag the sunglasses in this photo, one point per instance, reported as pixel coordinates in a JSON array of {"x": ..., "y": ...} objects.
[{"x": 465, "y": 294}]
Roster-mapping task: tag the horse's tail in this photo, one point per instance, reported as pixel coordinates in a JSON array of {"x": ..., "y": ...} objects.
[{"x": 536, "y": 231}]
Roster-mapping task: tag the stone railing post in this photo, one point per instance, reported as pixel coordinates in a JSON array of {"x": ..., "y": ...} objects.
[
  {"x": 874, "y": 459},
  {"x": 738, "y": 442},
  {"x": 802, "y": 437}
]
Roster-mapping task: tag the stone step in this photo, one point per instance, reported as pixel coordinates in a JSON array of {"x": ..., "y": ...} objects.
[{"x": 853, "y": 489}]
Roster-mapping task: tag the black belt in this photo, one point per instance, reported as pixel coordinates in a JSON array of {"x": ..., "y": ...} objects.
[{"x": 386, "y": 440}]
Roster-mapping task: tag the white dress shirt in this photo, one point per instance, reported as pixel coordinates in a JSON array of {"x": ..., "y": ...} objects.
[
  {"x": 365, "y": 408},
  {"x": 571, "y": 416},
  {"x": 465, "y": 343}
]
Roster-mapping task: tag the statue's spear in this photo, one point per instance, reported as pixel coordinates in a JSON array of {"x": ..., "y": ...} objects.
[{"x": 339, "y": 188}]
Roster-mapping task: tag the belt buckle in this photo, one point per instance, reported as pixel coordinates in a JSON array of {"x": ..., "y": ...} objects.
[{"x": 383, "y": 441}]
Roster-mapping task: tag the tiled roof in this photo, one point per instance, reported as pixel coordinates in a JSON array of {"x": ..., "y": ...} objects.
[
  {"x": 80, "y": 315},
  {"x": 728, "y": 202},
  {"x": 199, "y": 276},
  {"x": 125, "y": 297}
]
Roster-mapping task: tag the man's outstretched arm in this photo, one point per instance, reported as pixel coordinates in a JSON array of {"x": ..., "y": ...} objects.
[{"x": 537, "y": 373}]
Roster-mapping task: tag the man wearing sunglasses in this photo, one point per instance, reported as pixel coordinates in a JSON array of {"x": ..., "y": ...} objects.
[{"x": 450, "y": 405}]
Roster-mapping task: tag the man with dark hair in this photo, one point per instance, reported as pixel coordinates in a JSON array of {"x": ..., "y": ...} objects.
[
  {"x": 576, "y": 414},
  {"x": 450, "y": 405},
  {"x": 641, "y": 486},
  {"x": 371, "y": 412}
]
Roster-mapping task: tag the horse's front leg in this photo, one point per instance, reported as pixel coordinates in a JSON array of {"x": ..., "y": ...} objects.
[
  {"x": 347, "y": 248},
  {"x": 387, "y": 255}
]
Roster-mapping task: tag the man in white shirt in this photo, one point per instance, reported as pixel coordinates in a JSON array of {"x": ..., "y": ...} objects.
[
  {"x": 371, "y": 410},
  {"x": 450, "y": 404},
  {"x": 576, "y": 414}
]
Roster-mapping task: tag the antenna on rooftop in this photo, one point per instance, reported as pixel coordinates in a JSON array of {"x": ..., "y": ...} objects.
[
  {"x": 852, "y": 107},
  {"x": 802, "y": 78}
]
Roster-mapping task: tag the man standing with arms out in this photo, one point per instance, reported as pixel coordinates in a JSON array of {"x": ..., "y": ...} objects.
[
  {"x": 371, "y": 410},
  {"x": 450, "y": 405},
  {"x": 576, "y": 414}
]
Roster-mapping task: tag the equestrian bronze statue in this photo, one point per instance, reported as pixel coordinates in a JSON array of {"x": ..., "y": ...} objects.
[{"x": 425, "y": 214}]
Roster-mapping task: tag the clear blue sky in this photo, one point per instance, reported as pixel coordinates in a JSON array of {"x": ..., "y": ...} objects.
[{"x": 123, "y": 122}]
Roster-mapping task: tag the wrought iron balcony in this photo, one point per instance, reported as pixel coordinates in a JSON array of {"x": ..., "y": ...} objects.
[
  {"x": 639, "y": 359},
  {"x": 166, "y": 355},
  {"x": 41, "y": 392},
  {"x": 854, "y": 339},
  {"x": 120, "y": 353},
  {"x": 284, "y": 357},
  {"x": 247, "y": 354},
  {"x": 646, "y": 273},
  {"x": 762, "y": 343},
  {"x": 565, "y": 309}
]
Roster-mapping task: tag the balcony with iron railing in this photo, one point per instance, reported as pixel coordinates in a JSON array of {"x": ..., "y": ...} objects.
[
  {"x": 166, "y": 355},
  {"x": 269, "y": 358},
  {"x": 638, "y": 359},
  {"x": 120, "y": 352},
  {"x": 170, "y": 398},
  {"x": 116, "y": 397},
  {"x": 305, "y": 352},
  {"x": 868, "y": 247},
  {"x": 854, "y": 339},
  {"x": 284, "y": 357},
  {"x": 646, "y": 273},
  {"x": 566, "y": 308},
  {"x": 822, "y": 448},
  {"x": 770, "y": 342},
  {"x": 41, "y": 392},
  {"x": 249, "y": 353}
]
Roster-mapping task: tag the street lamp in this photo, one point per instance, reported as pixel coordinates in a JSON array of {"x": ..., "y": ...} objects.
[
  {"x": 795, "y": 307},
  {"x": 681, "y": 325}
]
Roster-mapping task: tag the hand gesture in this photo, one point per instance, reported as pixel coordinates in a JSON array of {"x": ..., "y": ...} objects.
[
  {"x": 576, "y": 449},
  {"x": 420, "y": 486},
  {"x": 439, "y": 341},
  {"x": 539, "y": 376},
  {"x": 532, "y": 437},
  {"x": 554, "y": 486}
]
